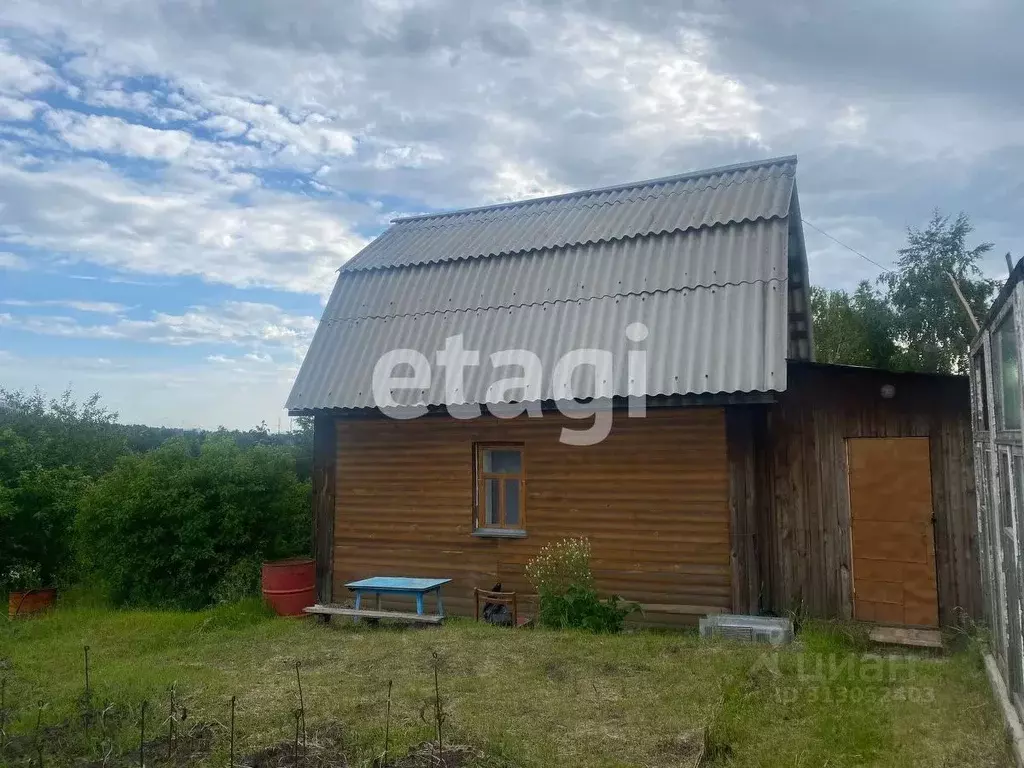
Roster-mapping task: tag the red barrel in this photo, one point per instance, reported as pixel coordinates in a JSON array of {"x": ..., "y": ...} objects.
[
  {"x": 289, "y": 585},
  {"x": 30, "y": 601}
]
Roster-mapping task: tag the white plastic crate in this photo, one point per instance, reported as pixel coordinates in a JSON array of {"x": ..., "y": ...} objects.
[{"x": 752, "y": 629}]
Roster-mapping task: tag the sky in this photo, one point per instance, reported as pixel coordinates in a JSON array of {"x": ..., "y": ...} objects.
[{"x": 180, "y": 179}]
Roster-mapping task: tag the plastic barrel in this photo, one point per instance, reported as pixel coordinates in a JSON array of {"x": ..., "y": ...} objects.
[
  {"x": 30, "y": 601},
  {"x": 289, "y": 585}
]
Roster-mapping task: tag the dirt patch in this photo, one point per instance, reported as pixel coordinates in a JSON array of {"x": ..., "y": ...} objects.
[
  {"x": 188, "y": 748},
  {"x": 426, "y": 755},
  {"x": 557, "y": 672},
  {"x": 685, "y": 749},
  {"x": 323, "y": 748}
]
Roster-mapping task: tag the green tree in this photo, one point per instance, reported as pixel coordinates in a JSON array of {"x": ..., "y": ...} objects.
[
  {"x": 37, "y": 523},
  {"x": 62, "y": 432},
  {"x": 933, "y": 331},
  {"x": 856, "y": 329},
  {"x": 166, "y": 528}
]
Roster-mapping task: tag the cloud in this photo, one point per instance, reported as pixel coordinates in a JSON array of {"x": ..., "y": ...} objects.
[
  {"x": 113, "y": 135},
  {"x": 234, "y": 323},
  {"x": 187, "y": 225},
  {"x": 18, "y": 109},
  {"x": 98, "y": 307},
  {"x": 12, "y": 262},
  {"x": 21, "y": 74}
]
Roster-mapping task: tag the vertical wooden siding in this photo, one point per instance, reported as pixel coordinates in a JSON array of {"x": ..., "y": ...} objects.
[
  {"x": 652, "y": 498},
  {"x": 804, "y": 527},
  {"x": 325, "y": 454}
]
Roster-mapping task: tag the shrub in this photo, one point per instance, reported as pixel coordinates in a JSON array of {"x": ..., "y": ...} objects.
[
  {"x": 36, "y": 515},
  {"x": 565, "y": 585},
  {"x": 561, "y": 565},
  {"x": 176, "y": 528},
  {"x": 242, "y": 581}
]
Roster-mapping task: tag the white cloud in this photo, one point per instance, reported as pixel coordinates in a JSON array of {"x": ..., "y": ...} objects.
[
  {"x": 116, "y": 136},
  {"x": 223, "y": 125},
  {"x": 233, "y": 323},
  {"x": 185, "y": 225},
  {"x": 12, "y": 261},
  {"x": 850, "y": 126},
  {"x": 18, "y": 109},
  {"x": 98, "y": 307},
  {"x": 22, "y": 75}
]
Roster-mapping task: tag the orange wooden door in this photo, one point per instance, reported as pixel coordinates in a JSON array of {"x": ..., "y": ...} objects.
[{"x": 893, "y": 541}]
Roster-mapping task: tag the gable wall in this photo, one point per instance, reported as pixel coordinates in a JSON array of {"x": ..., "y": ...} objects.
[{"x": 652, "y": 498}]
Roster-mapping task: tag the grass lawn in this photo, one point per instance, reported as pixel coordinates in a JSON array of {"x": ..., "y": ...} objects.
[{"x": 521, "y": 697}]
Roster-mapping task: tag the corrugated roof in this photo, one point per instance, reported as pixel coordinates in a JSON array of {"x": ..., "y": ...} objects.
[
  {"x": 701, "y": 259},
  {"x": 743, "y": 253},
  {"x": 698, "y": 343},
  {"x": 720, "y": 196}
]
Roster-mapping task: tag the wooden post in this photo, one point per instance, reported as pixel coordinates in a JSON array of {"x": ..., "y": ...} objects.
[
  {"x": 325, "y": 471},
  {"x": 963, "y": 301}
]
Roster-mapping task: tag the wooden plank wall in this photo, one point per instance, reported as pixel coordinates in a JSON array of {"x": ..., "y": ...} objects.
[
  {"x": 652, "y": 498},
  {"x": 744, "y": 426},
  {"x": 804, "y": 525},
  {"x": 325, "y": 454}
]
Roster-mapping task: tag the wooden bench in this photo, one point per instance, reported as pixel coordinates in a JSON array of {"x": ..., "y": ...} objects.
[
  {"x": 389, "y": 585},
  {"x": 326, "y": 611}
]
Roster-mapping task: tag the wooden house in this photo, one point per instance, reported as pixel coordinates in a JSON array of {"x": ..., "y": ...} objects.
[{"x": 670, "y": 319}]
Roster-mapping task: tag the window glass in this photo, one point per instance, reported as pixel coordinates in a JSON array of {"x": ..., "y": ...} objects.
[
  {"x": 1005, "y": 490},
  {"x": 503, "y": 462},
  {"x": 1009, "y": 375},
  {"x": 492, "y": 502},
  {"x": 512, "y": 503},
  {"x": 1018, "y": 485}
]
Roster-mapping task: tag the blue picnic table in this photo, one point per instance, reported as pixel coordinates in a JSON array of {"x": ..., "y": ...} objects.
[{"x": 399, "y": 585}]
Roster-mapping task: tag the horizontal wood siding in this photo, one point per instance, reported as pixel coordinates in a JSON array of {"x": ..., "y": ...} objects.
[
  {"x": 652, "y": 498},
  {"x": 804, "y": 528}
]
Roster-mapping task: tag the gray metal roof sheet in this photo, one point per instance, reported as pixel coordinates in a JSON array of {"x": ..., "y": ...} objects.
[
  {"x": 700, "y": 259},
  {"x": 704, "y": 340},
  {"x": 747, "y": 252},
  {"x": 720, "y": 196}
]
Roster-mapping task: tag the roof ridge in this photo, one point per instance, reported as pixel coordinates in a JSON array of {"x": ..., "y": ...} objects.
[
  {"x": 448, "y": 219},
  {"x": 782, "y": 159},
  {"x": 581, "y": 299},
  {"x": 349, "y": 268}
]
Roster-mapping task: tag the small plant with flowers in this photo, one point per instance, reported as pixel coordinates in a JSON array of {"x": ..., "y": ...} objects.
[{"x": 564, "y": 582}]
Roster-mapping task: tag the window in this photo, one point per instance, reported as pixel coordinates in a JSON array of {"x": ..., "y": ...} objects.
[
  {"x": 1008, "y": 396},
  {"x": 500, "y": 487}
]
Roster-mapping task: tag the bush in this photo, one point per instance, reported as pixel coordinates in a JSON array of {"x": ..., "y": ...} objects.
[
  {"x": 565, "y": 585},
  {"x": 36, "y": 515},
  {"x": 176, "y": 528}
]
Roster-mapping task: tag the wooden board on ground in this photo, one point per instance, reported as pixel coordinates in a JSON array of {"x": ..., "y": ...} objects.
[
  {"x": 917, "y": 638},
  {"x": 364, "y": 613},
  {"x": 683, "y": 610}
]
